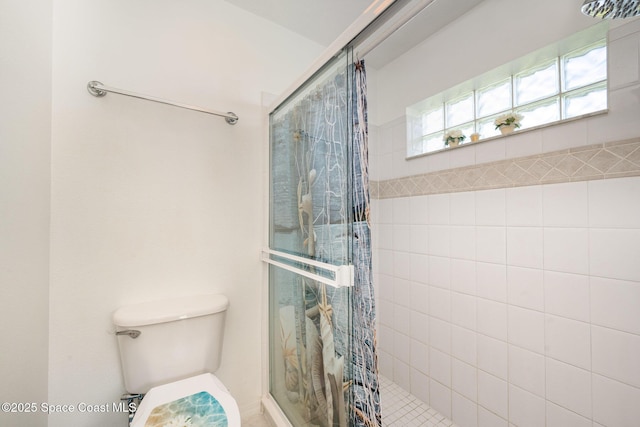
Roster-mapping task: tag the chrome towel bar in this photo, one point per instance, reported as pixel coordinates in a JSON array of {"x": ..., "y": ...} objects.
[{"x": 97, "y": 89}]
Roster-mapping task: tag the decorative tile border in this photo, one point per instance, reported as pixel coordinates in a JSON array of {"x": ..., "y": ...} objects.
[{"x": 599, "y": 161}]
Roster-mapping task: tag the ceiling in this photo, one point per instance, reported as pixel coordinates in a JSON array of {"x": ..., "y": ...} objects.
[
  {"x": 331, "y": 17},
  {"x": 319, "y": 20}
]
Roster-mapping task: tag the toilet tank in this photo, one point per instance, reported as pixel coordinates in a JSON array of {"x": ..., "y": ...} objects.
[{"x": 178, "y": 338}]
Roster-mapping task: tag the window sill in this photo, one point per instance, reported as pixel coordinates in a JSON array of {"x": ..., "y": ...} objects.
[{"x": 515, "y": 133}]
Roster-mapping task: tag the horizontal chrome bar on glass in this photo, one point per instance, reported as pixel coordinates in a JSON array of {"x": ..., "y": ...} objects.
[
  {"x": 343, "y": 274},
  {"x": 97, "y": 89}
]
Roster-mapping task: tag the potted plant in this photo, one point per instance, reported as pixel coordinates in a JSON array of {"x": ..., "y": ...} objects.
[
  {"x": 453, "y": 138},
  {"x": 508, "y": 122}
]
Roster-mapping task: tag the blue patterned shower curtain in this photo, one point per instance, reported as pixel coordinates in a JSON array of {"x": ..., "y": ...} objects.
[
  {"x": 323, "y": 363},
  {"x": 366, "y": 394}
]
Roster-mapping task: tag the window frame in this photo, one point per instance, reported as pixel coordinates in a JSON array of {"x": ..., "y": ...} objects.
[{"x": 423, "y": 143}]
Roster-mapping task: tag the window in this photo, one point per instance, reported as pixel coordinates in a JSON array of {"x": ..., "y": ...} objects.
[{"x": 551, "y": 90}]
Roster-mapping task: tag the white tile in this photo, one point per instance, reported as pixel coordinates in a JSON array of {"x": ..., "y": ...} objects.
[
  {"x": 565, "y": 205},
  {"x": 616, "y": 355},
  {"x": 463, "y": 310},
  {"x": 401, "y": 347},
  {"x": 614, "y": 403},
  {"x": 568, "y": 341},
  {"x": 385, "y": 262},
  {"x": 525, "y": 287},
  {"x": 402, "y": 265},
  {"x": 401, "y": 319},
  {"x": 419, "y": 239},
  {"x": 491, "y": 207},
  {"x": 566, "y": 250},
  {"x": 524, "y": 206},
  {"x": 492, "y": 318},
  {"x": 526, "y": 329},
  {"x": 614, "y": 203},
  {"x": 419, "y": 386},
  {"x": 401, "y": 374},
  {"x": 463, "y": 276},
  {"x": 440, "y": 335},
  {"x": 401, "y": 210},
  {"x": 525, "y": 409},
  {"x": 419, "y": 297},
  {"x": 614, "y": 253},
  {"x": 493, "y": 394},
  {"x": 464, "y": 345},
  {"x": 463, "y": 242},
  {"x": 385, "y": 211},
  {"x": 439, "y": 274},
  {"x": 439, "y": 209},
  {"x": 385, "y": 287},
  {"x": 558, "y": 416},
  {"x": 464, "y": 379},
  {"x": 440, "y": 366},
  {"x": 491, "y": 281},
  {"x": 385, "y": 236},
  {"x": 565, "y": 135},
  {"x": 439, "y": 240},
  {"x": 402, "y": 292},
  {"x": 493, "y": 356},
  {"x": 490, "y": 151},
  {"x": 402, "y": 237},
  {"x": 419, "y": 210},
  {"x": 464, "y": 411},
  {"x": 385, "y": 363},
  {"x": 569, "y": 387},
  {"x": 440, "y": 303},
  {"x": 420, "y": 327},
  {"x": 419, "y": 356},
  {"x": 615, "y": 304},
  {"x": 491, "y": 244},
  {"x": 527, "y": 144},
  {"x": 463, "y": 208},
  {"x": 489, "y": 419},
  {"x": 385, "y": 338},
  {"x": 525, "y": 246},
  {"x": 440, "y": 398},
  {"x": 526, "y": 370},
  {"x": 567, "y": 295},
  {"x": 419, "y": 266}
]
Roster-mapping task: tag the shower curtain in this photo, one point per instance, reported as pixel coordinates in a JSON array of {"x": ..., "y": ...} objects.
[
  {"x": 323, "y": 364},
  {"x": 366, "y": 400}
]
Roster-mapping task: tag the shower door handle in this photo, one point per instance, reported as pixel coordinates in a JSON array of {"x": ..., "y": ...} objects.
[{"x": 343, "y": 274}]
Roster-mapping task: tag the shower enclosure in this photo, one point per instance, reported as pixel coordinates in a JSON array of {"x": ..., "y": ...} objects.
[{"x": 322, "y": 354}]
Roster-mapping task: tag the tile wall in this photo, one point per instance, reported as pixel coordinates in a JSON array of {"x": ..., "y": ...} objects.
[{"x": 516, "y": 305}]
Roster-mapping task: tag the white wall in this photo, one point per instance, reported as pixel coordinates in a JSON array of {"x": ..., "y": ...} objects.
[
  {"x": 25, "y": 134},
  {"x": 512, "y": 305},
  {"x": 150, "y": 201}
]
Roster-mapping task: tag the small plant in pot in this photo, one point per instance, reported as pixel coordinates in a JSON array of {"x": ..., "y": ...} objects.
[
  {"x": 508, "y": 122},
  {"x": 453, "y": 138}
]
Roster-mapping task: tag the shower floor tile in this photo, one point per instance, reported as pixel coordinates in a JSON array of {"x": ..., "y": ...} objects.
[{"x": 401, "y": 409}]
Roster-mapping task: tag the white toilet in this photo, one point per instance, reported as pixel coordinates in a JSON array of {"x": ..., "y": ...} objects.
[{"x": 169, "y": 351}]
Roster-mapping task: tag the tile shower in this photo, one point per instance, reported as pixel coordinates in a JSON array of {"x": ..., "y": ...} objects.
[{"x": 515, "y": 304}]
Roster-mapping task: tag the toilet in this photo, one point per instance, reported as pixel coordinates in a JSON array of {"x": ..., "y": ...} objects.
[{"x": 169, "y": 351}]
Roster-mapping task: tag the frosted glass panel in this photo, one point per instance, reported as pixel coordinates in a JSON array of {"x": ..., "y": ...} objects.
[
  {"x": 585, "y": 101},
  {"x": 494, "y": 99},
  {"x": 433, "y": 121},
  {"x": 537, "y": 83},
  {"x": 459, "y": 110},
  {"x": 585, "y": 67},
  {"x": 540, "y": 113}
]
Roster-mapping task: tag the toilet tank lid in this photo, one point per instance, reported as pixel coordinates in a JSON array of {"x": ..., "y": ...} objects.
[{"x": 169, "y": 310}]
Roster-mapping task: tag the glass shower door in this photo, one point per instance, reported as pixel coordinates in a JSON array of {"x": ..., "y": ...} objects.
[{"x": 310, "y": 271}]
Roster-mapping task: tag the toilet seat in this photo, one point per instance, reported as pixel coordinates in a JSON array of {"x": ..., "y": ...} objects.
[{"x": 180, "y": 399}]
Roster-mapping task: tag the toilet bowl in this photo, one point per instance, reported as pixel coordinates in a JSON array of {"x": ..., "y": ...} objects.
[{"x": 200, "y": 401}]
